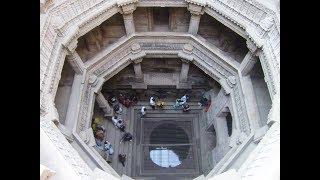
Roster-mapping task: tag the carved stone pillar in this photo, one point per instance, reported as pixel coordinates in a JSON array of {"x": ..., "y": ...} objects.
[
  {"x": 186, "y": 58},
  {"x": 137, "y": 70},
  {"x": 136, "y": 58},
  {"x": 103, "y": 104},
  {"x": 129, "y": 24},
  {"x": 127, "y": 9},
  {"x": 76, "y": 62},
  {"x": 196, "y": 12},
  {"x": 184, "y": 71}
]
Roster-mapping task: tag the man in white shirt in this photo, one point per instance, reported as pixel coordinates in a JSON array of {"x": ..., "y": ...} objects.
[
  {"x": 143, "y": 110},
  {"x": 152, "y": 102}
]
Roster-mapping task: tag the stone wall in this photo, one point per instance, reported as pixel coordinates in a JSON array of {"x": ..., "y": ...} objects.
[
  {"x": 64, "y": 91},
  {"x": 101, "y": 37},
  {"x": 261, "y": 92},
  {"x": 225, "y": 39}
]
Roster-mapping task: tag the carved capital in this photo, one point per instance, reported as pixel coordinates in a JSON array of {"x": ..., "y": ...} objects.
[
  {"x": 195, "y": 9},
  {"x": 127, "y": 6}
]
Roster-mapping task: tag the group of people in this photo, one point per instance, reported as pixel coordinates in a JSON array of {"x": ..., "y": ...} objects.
[
  {"x": 182, "y": 102},
  {"x": 119, "y": 123},
  {"x": 99, "y": 130},
  {"x": 157, "y": 103}
]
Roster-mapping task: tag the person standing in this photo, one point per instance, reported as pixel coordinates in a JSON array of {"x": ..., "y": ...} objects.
[
  {"x": 126, "y": 137},
  {"x": 152, "y": 102},
  {"x": 122, "y": 159},
  {"x": 108, "y": 147},
  {"x": 143, "y": 110}
]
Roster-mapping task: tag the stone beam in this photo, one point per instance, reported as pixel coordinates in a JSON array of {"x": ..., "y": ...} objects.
[
  {"x": 196, "y": 11},
  {"x": 103, "y": 104},
  {"x": 127, "y": 8}
]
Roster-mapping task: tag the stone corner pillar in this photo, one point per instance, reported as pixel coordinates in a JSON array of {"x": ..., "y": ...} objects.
[
  {"x": 186, "y": 59},
  {"x": 196, "y": 8},
  {"x": 76, "y": 62},
  {"x": 127, "y": 8},
  {"x": 136, "y": 58},
  {"x": 103, "y": 104}
]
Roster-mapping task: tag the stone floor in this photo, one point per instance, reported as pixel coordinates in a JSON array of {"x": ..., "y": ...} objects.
[{"x": 132, "y": 149}]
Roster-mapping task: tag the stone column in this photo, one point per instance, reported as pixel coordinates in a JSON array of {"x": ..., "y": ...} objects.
[
  {"x": 103, "y": 103},
  {"x": 196, "y": 12},
  {"x": 129, "y": 24},
  {"x": 184, "y": 71},
  {"x": 137, "y": 70},
  {"x": 76, "y": 62},
  {"x": 186, "y": 58},
  {"x": 136, "y": 58},
  {"x": 127, "y": 13}
]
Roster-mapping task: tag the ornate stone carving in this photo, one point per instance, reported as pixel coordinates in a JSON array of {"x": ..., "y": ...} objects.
[
  {"x": 66, "y": 150},
  {"x": 266, "y": 23},
  {"x": 231, "y": 80},
  {"x": 93, "y": 80}
]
